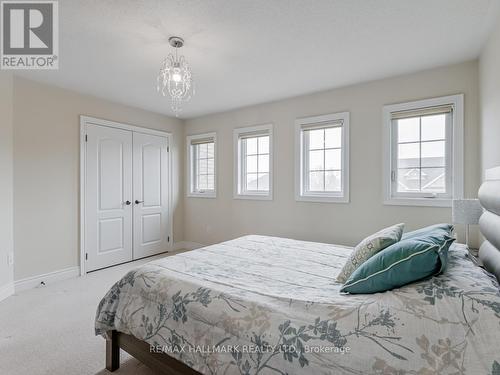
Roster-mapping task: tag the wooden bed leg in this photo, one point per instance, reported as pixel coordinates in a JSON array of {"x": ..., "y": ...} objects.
[{"x": 112, "y": 352}]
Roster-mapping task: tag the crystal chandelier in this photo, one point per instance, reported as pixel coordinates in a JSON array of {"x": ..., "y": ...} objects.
[{"x": 175, "y": 78}]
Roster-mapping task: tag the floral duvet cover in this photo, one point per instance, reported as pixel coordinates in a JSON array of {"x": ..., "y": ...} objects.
[{"x": 267, "y": 305}]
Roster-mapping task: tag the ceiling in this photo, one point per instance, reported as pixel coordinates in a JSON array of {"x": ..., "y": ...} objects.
[{"x": 244, "y": 52}]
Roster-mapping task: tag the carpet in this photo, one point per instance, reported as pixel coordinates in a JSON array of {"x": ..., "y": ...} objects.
[{"x": 50, "y": 329}]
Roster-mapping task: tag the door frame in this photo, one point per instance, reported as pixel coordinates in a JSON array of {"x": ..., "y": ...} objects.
[{"x": 84, "y": 121}]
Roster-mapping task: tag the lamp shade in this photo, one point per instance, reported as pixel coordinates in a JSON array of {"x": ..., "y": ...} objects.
[{"x": 466, "y": 211}]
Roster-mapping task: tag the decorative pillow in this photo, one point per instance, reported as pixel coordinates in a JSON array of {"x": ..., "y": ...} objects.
[
  {"x": 407, "y": 261},
  {"x": 368, "y": 247},
  {"x": 440, "y": 229}
]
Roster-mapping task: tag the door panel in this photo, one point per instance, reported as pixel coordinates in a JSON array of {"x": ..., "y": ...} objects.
[
  {"x": 110, "y": 159},
  {"x": 151, "y": 174},
  {"x": 108, "y": 178},
  {"x": 151, "y": 219},
  {"x": 151, "y": 228},
  {"x": 110, "y": 234}
]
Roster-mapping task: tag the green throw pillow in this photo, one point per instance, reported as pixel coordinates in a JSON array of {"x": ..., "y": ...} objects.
[
  {"x": 407, "y": 261},
  {"x": 369, "y": 247},
  {"x": 437, "y": 229}
]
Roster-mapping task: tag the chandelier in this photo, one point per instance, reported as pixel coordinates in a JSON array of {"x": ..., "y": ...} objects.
[{"x": 175, "y": 78}]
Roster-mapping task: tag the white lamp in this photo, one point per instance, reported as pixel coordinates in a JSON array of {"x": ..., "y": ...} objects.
[{"x": 466, "y": 211}]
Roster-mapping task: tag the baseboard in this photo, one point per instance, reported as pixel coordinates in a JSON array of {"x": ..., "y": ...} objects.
[
  {"x": 72, "y": 272},
  {"x": 186, "y": 245},
  {"x": 47, "y": 278},
  {"x": 6, "y": 291}
]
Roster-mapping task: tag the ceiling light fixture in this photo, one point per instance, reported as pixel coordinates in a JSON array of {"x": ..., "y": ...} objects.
[{"x": 175, "y": 78}]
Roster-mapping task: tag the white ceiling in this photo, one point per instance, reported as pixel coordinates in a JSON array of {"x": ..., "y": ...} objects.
[{"x": 245, "y": 52}]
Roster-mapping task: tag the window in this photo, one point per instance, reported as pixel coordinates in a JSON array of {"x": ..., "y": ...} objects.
[
  {"x": 424, "y": 153},
  {"x": 253, "y": 162},
  {"x": 322, "y": 159},
  {"x": 201, "y": 164}
]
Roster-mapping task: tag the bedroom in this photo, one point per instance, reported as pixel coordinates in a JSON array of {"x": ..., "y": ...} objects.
[{"x": 299, "y": 112}]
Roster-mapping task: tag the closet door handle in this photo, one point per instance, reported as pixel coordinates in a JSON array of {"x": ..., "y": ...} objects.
[
  {"x": 137, "y": 202},
  {"x": 128, "y": 203}
]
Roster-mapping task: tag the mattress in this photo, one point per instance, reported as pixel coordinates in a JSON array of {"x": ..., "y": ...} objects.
[{"x": 267, "y": 305}]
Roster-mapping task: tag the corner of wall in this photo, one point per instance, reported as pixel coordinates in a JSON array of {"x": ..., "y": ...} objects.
[
  {"x": 6, "y": 185},
  {"x": 182, "y": 181},
  {"x": 489, "y": 99}
]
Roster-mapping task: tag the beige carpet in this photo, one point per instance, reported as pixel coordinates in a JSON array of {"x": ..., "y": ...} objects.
[{"x": 50, "y": 329}]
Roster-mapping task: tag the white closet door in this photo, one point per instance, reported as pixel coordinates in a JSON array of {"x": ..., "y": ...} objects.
[
  {"x": 151, "y": 219},
  {"x": 108, "y": 200}
]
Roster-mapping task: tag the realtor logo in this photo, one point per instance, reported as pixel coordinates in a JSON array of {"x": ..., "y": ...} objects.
[{"x": 29, "y": 34}]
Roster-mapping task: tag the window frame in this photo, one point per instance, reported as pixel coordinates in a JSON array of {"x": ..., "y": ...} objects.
[
  {"x": 239, "y": 168},
  {"x": 191, "y": 169},
  {"x": 454, "y": 153},
  {"x": 301, "y": 168}
]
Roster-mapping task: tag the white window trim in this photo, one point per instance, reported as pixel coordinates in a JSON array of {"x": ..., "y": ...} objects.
[
  {"x": 266, "y": 129},
  {"x": 457, "y": 101},
  {"x": 189, "y": 164},
  {"x": 327, "y": 197}
]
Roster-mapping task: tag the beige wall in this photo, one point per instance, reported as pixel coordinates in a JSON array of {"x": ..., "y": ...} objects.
[
  {"x": 489, "y": 76},
  {"x": 212, "y": 220},
  {"x": 6, "y": 177},
  {"x": 46, "y": 171},
  {"x": 46, "y": 166}
]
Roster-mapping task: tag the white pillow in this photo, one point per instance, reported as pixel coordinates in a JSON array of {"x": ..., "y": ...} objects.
[{"x": 370, "y": 246}]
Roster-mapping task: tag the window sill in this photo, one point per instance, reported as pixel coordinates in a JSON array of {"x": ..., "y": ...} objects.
[
  {"x": 202, "y": 195},
  {"x": 322, "y": 199},
  {"x": 259, "y": 197},
  {"x": 423, "y": 202}
]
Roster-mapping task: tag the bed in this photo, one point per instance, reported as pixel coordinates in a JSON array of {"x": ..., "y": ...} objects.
[{"x": 267, "y": 305}]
